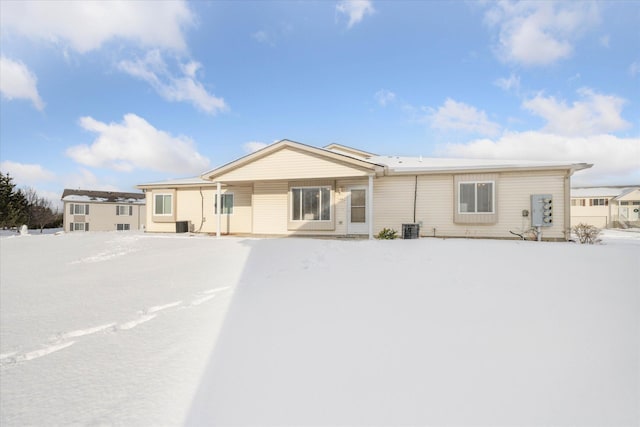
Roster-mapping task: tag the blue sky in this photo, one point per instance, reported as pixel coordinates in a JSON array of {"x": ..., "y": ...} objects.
[{"x": 108, "y": 95}]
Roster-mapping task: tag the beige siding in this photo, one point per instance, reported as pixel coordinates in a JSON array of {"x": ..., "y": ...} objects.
[
  {"x": 196, "y": 205},
  {"x": 290, "y": 164},
  {"x": 102, "y": 216},
  {"x": 436, "y": 204},
  {"x": 393, "y": 202},
  {"x": 270, "y": 204},
  {"x": 598, "y": 216},
  {"x": 596, "y": 221},
  {"x": 631, "y": 196},
  {"x": 475, "y": 218}
]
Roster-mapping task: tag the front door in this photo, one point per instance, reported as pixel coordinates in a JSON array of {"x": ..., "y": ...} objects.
[{"x": 357, "y": 221}]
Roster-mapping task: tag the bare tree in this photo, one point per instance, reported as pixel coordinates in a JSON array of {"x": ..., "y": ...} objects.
[{"x": 39, "y": 210}]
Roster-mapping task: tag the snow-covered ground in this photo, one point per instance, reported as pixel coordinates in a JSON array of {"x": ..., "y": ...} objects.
[{"x": 143, "y": 329}]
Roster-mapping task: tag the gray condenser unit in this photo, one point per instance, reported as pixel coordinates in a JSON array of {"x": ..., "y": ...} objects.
[
  {"x": 182, "y": 226},
  {"x": 410, "y": 231}
]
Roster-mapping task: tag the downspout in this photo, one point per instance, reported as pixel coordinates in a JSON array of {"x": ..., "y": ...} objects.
[
  {"x": 415, "y": 198},
  {"x": 201, "y": 210},
  {"x": 567, "y": 205},
  {"x": 370, "y": 207},
  {"x": 219, "y": 206}
]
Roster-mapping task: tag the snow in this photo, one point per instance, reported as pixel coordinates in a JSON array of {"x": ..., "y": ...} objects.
[
  {"x": 87, "y": 199},
  {"x": 426, "y": 164},
  {"x": 160, "y": 329},
  {"x": 600, "y": 191}
]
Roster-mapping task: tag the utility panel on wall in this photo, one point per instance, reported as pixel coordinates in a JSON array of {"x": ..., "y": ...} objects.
[{"x": 541, "y": 210}]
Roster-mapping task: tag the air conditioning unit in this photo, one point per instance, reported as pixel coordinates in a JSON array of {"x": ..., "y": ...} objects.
[
  {"x": 410, "y": 231},
  {"x": 183, "y": 226}
]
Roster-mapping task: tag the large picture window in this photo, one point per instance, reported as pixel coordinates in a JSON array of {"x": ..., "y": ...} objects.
[
  {"x": 311, "y": 203},
  {"x": 476, "y": 197},
  {"x": 163, "y": 204},
  {"x": 227, "y": 203}
]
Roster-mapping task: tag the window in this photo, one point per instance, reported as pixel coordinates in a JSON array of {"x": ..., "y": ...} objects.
[
  {"x": 123, "y": 227},
  {"x": 311, "y": 203},
  {"x": 476, "y": 197},
  {"x": 79, "y": 226},
  {"x": 598, "y": 202},
  {"x": 124, "y": 210},
  {"x": 163, "y": 204},
  {"x": 76, "y": 209},
  {"x": 227, "y": 203}
]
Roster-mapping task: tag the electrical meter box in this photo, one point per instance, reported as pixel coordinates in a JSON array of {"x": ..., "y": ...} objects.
[{"x": 541, "y": 210}]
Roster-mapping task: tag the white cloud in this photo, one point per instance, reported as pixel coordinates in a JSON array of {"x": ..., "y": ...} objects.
[
  {"x": 18, "y": 82},
  {"x": 87, "y": 25},
  {"x": 253, "y": 146},
  {"x": 26, "y": 173},
  {"x": 510, "y": 83},
  {"x": 615, "y": 159},
  {"x": 153, "y": 69},
  {"x": 355, "y": 10},
  {"x": 594, "y": 114},
  {"x": 458, "y": 116},
  {"x": 634, "y": 69},
  {"x": 539, "y": 33},
  {"x": 84, "y": 179},
  {"x": 605, "y": 40},
  {"x": 263, "y": 37},
  {"x": 385, "y": 97},
  {"x": 136, "y": 144}
]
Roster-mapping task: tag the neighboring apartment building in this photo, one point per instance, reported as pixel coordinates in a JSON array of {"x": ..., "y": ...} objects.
[
  {"x": 86, "y": 210},
  {"x": 606, "y": 207}
]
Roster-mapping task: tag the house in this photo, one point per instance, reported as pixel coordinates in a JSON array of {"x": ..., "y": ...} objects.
[
  {"x": 289, "y": 188},
  {"x": 86, "y": 210},
  {"x": 606, "y": 207}
]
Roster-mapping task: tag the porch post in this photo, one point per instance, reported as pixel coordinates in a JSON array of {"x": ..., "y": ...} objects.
[
  {"x": 219, "y": 208},
  {"x": 370, "y": 207}
]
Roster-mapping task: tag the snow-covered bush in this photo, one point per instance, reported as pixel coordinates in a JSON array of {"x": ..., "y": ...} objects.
[
  {"x": 387, "y": 234},
  {"x": 587, "y": 233}
]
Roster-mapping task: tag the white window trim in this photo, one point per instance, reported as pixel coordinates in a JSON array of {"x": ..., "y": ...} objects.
[
  {"x": 123, "y": 227},
  {"x": 155, "y": 195},
  {"x": 215, "y": 205},
  {"x": 493, "y": 197},
  {"x": 312, "y": 221}
]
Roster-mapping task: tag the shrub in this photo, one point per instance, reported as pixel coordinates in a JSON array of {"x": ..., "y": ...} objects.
[
  {"x": 587, "y": 233},
  {"x": 387, "y": 234}
]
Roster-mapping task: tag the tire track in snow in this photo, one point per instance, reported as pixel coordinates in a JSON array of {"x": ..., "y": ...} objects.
[{"x": 58, "y": 341}]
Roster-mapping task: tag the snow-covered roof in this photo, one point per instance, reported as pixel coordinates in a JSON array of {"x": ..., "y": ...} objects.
[
  {"x": 434, "y": 164},
  {"x": 192, "y": 181},
  {"x": 69, "y": 195},
  {"x": 601, "y": 191},
  {"x": 381, "y": 165}
]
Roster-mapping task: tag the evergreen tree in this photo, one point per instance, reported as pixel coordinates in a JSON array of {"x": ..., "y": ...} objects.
[{"x": 13, "y": 204}]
